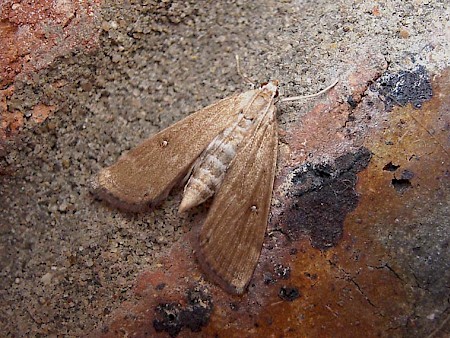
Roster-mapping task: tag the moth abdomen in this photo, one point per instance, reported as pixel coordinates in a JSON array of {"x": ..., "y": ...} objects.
[{"x": 210, "y": 168}]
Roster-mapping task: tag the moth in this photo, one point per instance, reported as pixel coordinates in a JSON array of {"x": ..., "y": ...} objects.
[{"x": 227, "y": 151}]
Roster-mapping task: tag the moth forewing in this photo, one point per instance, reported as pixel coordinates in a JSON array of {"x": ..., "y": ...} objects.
[
  {"x": 231, "y": 237},
  {"x": 143, "y": 177}
]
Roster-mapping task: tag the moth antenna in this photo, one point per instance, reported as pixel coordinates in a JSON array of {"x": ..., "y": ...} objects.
[
  {"x": 297, "y": 98},
  {"x": 241, "y": 74}
]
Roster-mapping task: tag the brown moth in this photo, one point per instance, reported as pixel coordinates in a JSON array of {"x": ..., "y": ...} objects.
[{"x": 227, "y": 150}]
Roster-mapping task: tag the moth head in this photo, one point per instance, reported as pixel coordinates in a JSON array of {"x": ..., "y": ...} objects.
[{"x": 271, "y": 86}]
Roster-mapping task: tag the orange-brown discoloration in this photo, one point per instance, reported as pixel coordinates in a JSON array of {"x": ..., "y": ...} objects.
[
  {"x": 11, "y": 123},
  {"x": 32, "y": 35},
  {"x": 35, "y": 33},
  {"x": 9, "y": 65},
  {"x": 4, "y": 96},
  {"x": 322, "y": 130},
  {"x": 41, "y": 112}
]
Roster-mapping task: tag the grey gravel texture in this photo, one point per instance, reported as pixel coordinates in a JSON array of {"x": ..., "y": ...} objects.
[{"x": 68, "y": 260}]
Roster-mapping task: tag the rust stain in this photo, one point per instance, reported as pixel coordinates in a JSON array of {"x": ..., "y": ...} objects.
[
  {"x": 10, "y": 122},
  {"x": 376, "y": 11},
  {"x": 32, "y": 35},
  {"x": 312, "y": 136},
  {"x": 9, "y": 53},
  {"x": 41, "y": 112},
  {"x": 361, "y": 286},
  {"x": 5, "y": 94}
]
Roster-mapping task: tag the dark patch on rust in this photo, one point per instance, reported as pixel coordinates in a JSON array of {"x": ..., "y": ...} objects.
[
  {"x": 404, "y": 182},
  {"x": 268, "y": 278},
  {"x": 173, "y": 317},
  {"x": 351, "y": 102},
  {"x": 282, "y": 271},
  {"x": 234, "y": 306},
  {"x": 407, "y": 174},
  {"x": 311, "y": 276},
  {"x": 289, "y": 293},
  {"x": 160, "y": 286},
  {"x": 391, "y": 167},
  {"x": 407, "y": 86},
  {"x": 323, "y": 195}
]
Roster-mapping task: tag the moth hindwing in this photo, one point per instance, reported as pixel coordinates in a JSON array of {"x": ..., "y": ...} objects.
[{"x": 228, "y": 150}]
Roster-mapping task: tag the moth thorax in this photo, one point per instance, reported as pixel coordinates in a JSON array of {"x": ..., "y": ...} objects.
[
  {"x": 209, "y": 170},
  {"x": 271, "y": 86}
]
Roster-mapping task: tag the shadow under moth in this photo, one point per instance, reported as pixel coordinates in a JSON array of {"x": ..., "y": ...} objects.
[{"x": 227, "y": 151}]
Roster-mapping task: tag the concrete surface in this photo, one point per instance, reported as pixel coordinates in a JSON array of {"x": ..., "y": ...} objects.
[{"x": 358, "y": 241}]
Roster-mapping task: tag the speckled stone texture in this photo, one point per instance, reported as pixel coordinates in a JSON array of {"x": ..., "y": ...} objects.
[{"x": 357, "y": 242}]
